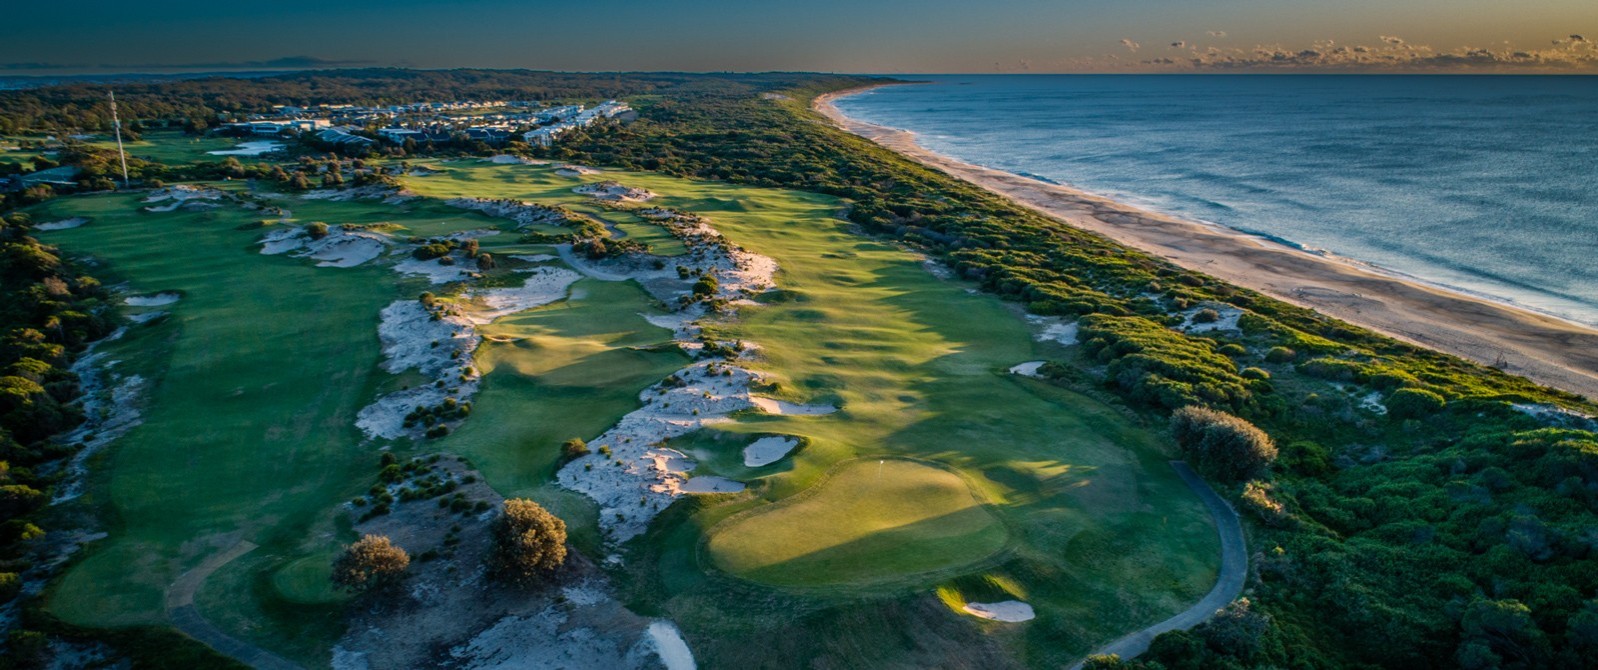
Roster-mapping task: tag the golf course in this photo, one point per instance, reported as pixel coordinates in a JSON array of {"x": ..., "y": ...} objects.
[{"x": 941, "y": 478}]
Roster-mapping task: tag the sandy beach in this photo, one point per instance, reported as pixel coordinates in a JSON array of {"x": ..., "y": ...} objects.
[{"x": 1546, "y": 349}]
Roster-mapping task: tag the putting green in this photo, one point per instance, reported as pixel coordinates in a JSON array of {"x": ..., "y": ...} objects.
[{"x": 872, "y": 521}]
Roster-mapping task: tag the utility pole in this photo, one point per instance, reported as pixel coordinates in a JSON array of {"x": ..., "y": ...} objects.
[{"x": 117, "y": 124}]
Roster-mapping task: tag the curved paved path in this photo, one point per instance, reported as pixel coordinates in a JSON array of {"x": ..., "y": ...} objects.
[
  {"x": 186, "y": 618},
  {"x": 1228, "y": 585}
]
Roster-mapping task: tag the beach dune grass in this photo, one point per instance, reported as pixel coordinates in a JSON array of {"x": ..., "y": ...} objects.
[{"x": 870, "y": 521}]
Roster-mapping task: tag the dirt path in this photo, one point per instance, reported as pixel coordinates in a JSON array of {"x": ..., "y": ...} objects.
[
  {"x": 1545, "y": 349},
  {"x": 1228, "y": 584},
  {"x": 186, "y": 618}
]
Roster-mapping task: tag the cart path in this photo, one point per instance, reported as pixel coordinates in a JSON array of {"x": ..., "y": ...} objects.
[
  {"x": 186, "y": 618},
  {"x": 1228, "y": 584}
]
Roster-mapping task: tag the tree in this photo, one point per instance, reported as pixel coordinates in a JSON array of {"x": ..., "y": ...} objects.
[
  {"x": 1222, "y": 444},
  {"x": 528, "y": 541},
  {"x": 316, "y": 229},
  {"x": 372, "y": 561},
  {"x": 485, "y": 262}
]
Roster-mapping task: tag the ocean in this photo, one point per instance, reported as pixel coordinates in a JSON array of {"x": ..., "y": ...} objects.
[{"x": 1484, "y": 184}]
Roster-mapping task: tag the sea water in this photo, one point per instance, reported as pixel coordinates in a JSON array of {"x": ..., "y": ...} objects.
[{"x": 1486, "y": 184}]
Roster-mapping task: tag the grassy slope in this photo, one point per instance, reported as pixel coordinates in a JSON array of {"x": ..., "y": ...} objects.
[
  {"x": 918, "y": 518},
  {"x": 1103, "y": 536}
]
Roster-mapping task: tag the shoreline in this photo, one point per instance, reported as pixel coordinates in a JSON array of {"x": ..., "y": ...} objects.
[{"x": 1544, "y": 348}]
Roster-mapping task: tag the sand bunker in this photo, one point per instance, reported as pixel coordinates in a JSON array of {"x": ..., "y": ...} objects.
[
  {"x": 785, "y": 408},
  {"x": 63, "y": 224},
  {"x": 152, "y": 300},
  {"x": 1028, "y": 369},
  {"x": 507, "y": 159},
  {"x": 534, "y": 258},
  {"x": 341, "y": 247},
  {"x": 768, "y": 450},
  {"x": 569, "y": 170},
  {"x": 544, "y": 285},
  {"x": 1009, "y": 611},
  {"x": 109, "y": 403},
  {"x": 671, "y": 648},
  {"x": 710, "y": 484},
  {"x": 614, "y": 191}
]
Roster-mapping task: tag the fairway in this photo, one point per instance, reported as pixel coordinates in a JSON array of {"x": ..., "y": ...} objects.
[
  {"x": 870, "y": 521},
  {"x": 938, "y": 465}
]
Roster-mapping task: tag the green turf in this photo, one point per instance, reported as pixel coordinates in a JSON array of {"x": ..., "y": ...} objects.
[
  {"x": 249, "y": 433},
  {"x": 174, "y": 147},
  {"x": 871, "y": 520}
]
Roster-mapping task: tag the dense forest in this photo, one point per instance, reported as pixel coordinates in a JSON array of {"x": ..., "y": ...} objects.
[{"x": 1452, "y": 528}]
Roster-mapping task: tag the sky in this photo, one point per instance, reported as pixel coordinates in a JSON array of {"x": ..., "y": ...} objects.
[{"x": 862, "y": 36}]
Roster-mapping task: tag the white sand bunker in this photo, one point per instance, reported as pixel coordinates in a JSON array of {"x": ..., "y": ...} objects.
[
  {"x": 249, "y": 149},
  {"x": 185, "y": 196},
  {"x": 1028, "y": 369},
  {"x": 544, "y": 285},
  {"x": 533, "y": 258},
  {"x": 785, "y": 408},
  {"x": 569, "y": 170},
  {"x": 768, "y": 450},
  {"x": 147, "y": 317},
  {"x": 1053, "y": 329},
  {"x": 341, "y": 247},
  {"x": 670, "y": 647},
  {"x": 1009, "y": 611},
  {"x": 152, "y": 300},
  {"x": 610, "y": 190},
  {"x": 63, "y": 224},
  {"x": 710, "y": 484},
  {"x": 507, "y": 159},
  {"x": 1209, "y": 317}
]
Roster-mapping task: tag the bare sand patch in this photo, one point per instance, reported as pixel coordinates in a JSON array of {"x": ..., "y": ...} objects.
[
  {"x": 63, "y": 224},
  {"x": 710, "y": 484},
  {"x": 152, "y": 300},
  {"x": 1028, "y": 369},
  {"x": 1009, "y": 611},
  {"x": 614, "y": 191}
]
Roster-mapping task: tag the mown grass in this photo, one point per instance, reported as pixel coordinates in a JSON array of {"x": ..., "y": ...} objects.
[
  {"x": 173, "y": 147},
  {"x": 914, "y": 518},
  {"x": 1105, "y": 536},
  {"x": 249, "y": 432}
]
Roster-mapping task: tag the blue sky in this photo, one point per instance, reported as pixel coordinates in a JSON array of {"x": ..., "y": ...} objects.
[{"x": 831, "y": 35}]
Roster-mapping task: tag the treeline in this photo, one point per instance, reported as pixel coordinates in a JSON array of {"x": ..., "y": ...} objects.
[
  {"x": 198, "y": 101},
  {"x": 49, "y": 312},
  {"x": 1413, "y": 518}
]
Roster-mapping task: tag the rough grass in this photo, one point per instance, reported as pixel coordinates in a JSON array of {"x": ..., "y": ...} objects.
[{"x": 872, "y": 520}]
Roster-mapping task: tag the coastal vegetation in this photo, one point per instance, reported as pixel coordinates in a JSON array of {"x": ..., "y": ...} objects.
[{"x": 1407, "y": 508}]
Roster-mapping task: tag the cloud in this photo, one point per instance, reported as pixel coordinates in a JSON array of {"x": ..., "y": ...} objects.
[
  {"x": 1129, "y": 44},
  {"x": 1391, "y": 54}
]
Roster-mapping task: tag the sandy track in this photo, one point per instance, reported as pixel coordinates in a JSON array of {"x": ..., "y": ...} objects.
[
  {"x": 186, "y": 618},
  {"x": 1545, "y": 349},
  {"x": 1228, "y": 584}
]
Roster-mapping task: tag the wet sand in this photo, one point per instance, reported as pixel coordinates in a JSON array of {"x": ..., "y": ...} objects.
[{"x": 1545, "y": 349}]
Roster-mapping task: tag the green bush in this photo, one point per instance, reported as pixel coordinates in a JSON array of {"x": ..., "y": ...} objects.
[
  {"x": 1414, "y": 403},
  {"x": 1223, "y": 445}
]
